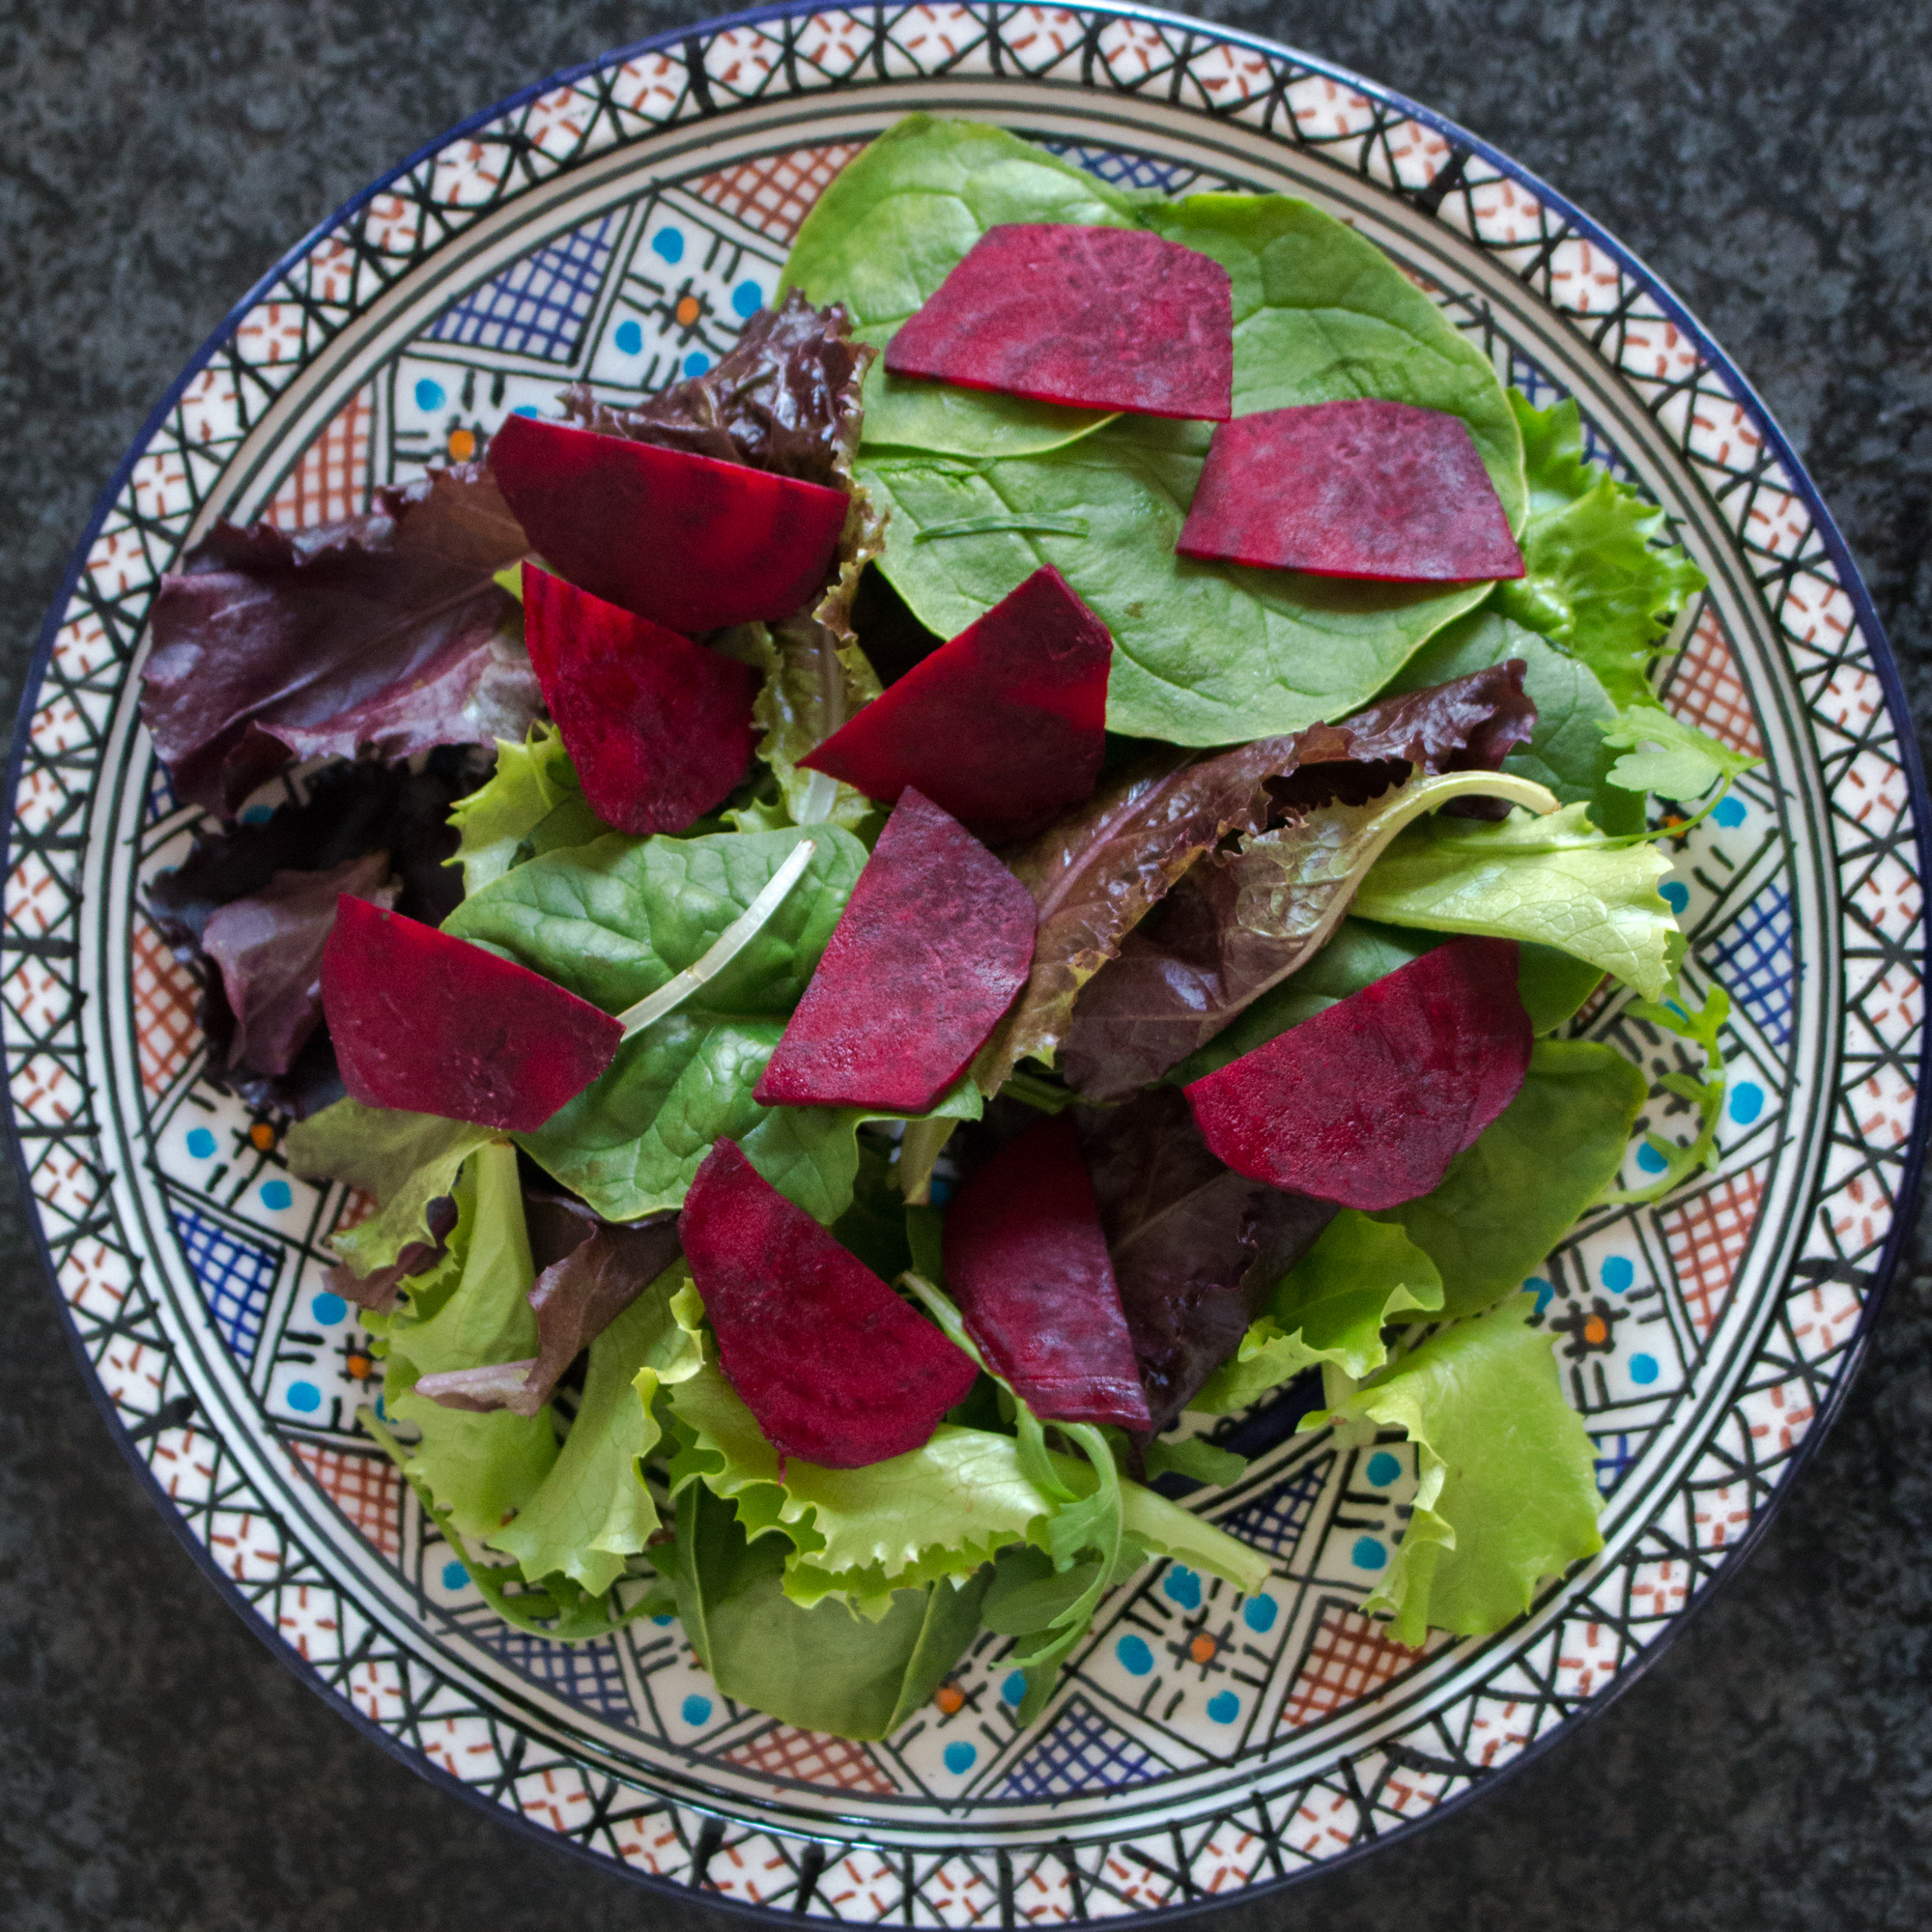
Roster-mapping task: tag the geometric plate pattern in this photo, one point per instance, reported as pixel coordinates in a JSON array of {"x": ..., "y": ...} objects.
[{"x": 617, "y": 226}]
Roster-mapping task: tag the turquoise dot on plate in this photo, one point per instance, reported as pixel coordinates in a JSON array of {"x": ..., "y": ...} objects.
[
  {"x": 1618, "y": 1273},
  {"x": 278, "y": 1195},
  {"x": 1382, "y": 1468},
  {"x": 429, "y": 396},
  {"x": 1674, "y": 895},
  {"x": 1224, "y": 1707},
  {"x": 697, "y": 362},
  {"x": 939, "y": 1191},
  {"x": 200, "y": 1142},
  {"x": 1180, "y": 1585},
  {"x": 1015, "y": 1687},
  {"x": 667, "y": 244},
  {"x": 329, "y": 1309},
  {"x": 1367, "y": 1553},
  {"x": 1730, "y": 812},
  {"x": 960, "y": 1757},
  {"x": 630, "y": 339},
  {"x": 1260, "y": 1612},
  {"x": 1135, "y": 1657},
  {"x": 696, "y": 1709},
  {"x": 663, "y": 1622},
  {"x": 258, "y": 814},
  {"x": 1643, "y": 1369},
  {"x": 304, "y": 1398},
  {"x": 1650, "y": 1160},
  {"x": 454, "y": 1576},
  {"x": 748, "y": 299},
  {"x": 1542, "y": 1290},
  {"x": 529, "y": 410},
  {"x": 1747, "y": 1103}
]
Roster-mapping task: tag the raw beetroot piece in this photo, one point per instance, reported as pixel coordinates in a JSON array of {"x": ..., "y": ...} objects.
[
  {"x": 1004, "y": 727},
  {"x": 684, "y": 540},
  {"x": 1368, "y": 1103},
  {"x": 1094, "y": 318},
  {"x": 430, "y": 1024},
  {"x": 1028, "y": 1264},
  {"x": 933, "y": 944},
  {"x": 1368, "y": 489},
  {"x": 836, "y": 1367},
  {"x": 658, "y": 728}
]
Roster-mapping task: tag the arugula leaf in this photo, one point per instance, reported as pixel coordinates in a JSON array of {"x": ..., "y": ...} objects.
[
  {"x": 1507, "y": 1200},
  {"x": 1557, "y": 881},
  {"x": 1508, "y": 1491},
  {"x": 480, "y": 1467},
  {"x": 1684, "y": 763},
  {"x": 887, "y": 231},
  {"x": 1331, "y": 1307},
  {"x": 1596, "y": 578}
]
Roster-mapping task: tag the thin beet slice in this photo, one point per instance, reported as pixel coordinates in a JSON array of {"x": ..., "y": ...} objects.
[
  {"x": 684, "y": 540},
  {"x": 1004, "y": 727},
  {"x": 1367, "y": 1103},
  {"x": 1366, "y": 488},
  {"x": 933, "y": 944},
  {"x": 427, "y": 1023},
  {"x": 1094, "y": 318},
  {"x": 1028, "y": 1264},
  {"x": 836, "y": 1367},
  {"x": 659, "y": 729}
]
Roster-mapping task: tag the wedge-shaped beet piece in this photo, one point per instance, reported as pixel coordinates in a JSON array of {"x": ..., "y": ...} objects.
[
  {"x": 430, "y": 1024},
  {"x": 659, "y": 729},
  {"x": 684, "y": 540},
  {"x": 933, "y": 944},
  {"x": 1004, "y": 727},
  {"x": 1367, "y": 1103},
  {"x": 837, "y": 1369},
  {"x": 1094, "y": 318},
  {"x": 1368, "y": 489},
  {"x": 1028, "y": 1264}
]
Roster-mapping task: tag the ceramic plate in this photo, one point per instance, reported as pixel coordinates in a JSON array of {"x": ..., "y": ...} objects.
[{"x": 619, "y": 225}]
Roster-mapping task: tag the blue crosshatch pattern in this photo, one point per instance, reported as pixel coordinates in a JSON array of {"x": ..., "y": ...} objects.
[
  {"x": 235, "y": 1275},
  {"x": 538, "y": 306},
  {"x": 1120, "y": 170},
  {"x": 586, "y": 1673},
  {"x": 1275, "y": 1522},
  {"x": 1753, "y": 960},
  {"x": 1082, "y": 1749}
]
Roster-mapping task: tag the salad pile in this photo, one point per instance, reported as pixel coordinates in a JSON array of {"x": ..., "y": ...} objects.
[{"x": 897, "y": 930}]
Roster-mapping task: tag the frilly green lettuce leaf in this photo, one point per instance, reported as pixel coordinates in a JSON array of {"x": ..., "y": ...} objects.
[
  {"x": 531, "y": 781},
  {"x": 1507, "y": 1495}
]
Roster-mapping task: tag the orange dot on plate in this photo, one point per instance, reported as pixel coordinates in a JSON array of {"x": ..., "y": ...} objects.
[
  {"x": 688, "y": 310},
  {"x": 1596, "y": 1331},
  {"x": 1202, "y": 1650},
  {"x": 462, "y": 445},
  {"x": 358, "y": 1366},
  {"x": 262, "y": 1135},
  {"x": 949, "y": 1696}
]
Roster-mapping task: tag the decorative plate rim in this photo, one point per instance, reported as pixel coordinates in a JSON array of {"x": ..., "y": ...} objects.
[{"x": 1465, "y": 146}]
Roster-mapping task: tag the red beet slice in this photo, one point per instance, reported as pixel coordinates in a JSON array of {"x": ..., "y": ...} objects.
[
  {"x": 1095, "y": 318},
  {"x": 427, "y": 1023},
  {"x": 684, "y": 540},
  {"x": 1360, "y": 489},
  {"x": 1028, "y": 1264},
  {"x": 933, "y": 944},
  {"x": 658, "y": 728},
  {"x": 1369, "y": 1102},
  {"x": 1004, "y": 727},
  {"x": 837, "y": 1369}
]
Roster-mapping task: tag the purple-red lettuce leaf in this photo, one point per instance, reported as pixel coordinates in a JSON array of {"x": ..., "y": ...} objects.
[
  {"x": 380, "y": 632},
  {"x": 1197, "y": 1250}
]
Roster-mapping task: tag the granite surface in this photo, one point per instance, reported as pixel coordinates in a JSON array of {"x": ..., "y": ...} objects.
[{"x": 160, "y": 1772}]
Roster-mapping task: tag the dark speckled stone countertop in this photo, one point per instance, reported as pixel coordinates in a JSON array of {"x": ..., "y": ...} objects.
[{"x": 160, "y": 1772}]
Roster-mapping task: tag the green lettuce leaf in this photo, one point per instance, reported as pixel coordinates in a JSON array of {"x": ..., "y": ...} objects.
[
  {"x": 1557, "y": 881},
  {"x": 814, "y": 683},
  {"x": 1507, "y": 1493},
  {"x": 1597, "y": 579},
  {"x": 531, "y": 780},
  {"x": 1507, "y": 1200},
  {"x": 1331, "y": 1307},
  {"x": 1681, "y": 762}
]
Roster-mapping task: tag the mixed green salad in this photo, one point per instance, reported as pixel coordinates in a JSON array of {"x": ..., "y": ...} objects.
[{"x": 1308, "y": 794}]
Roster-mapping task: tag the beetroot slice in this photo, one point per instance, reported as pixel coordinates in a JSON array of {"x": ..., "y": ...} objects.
[
  {"x": 933, "y": 944},
  {"x": 658, "y": 728},
  {"x": 1004, "y": 727},
  {"x": 836, "y": 1367},
  {"x": 1368, "y": 1103},
  {"x": 1369, "y": 489},
  {"x": 1094, "y": 318},
  {"x": 430, "y": 1024},
  {"x": 684, "y": 540},
  {"x": 1028, "y": 1264}
]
